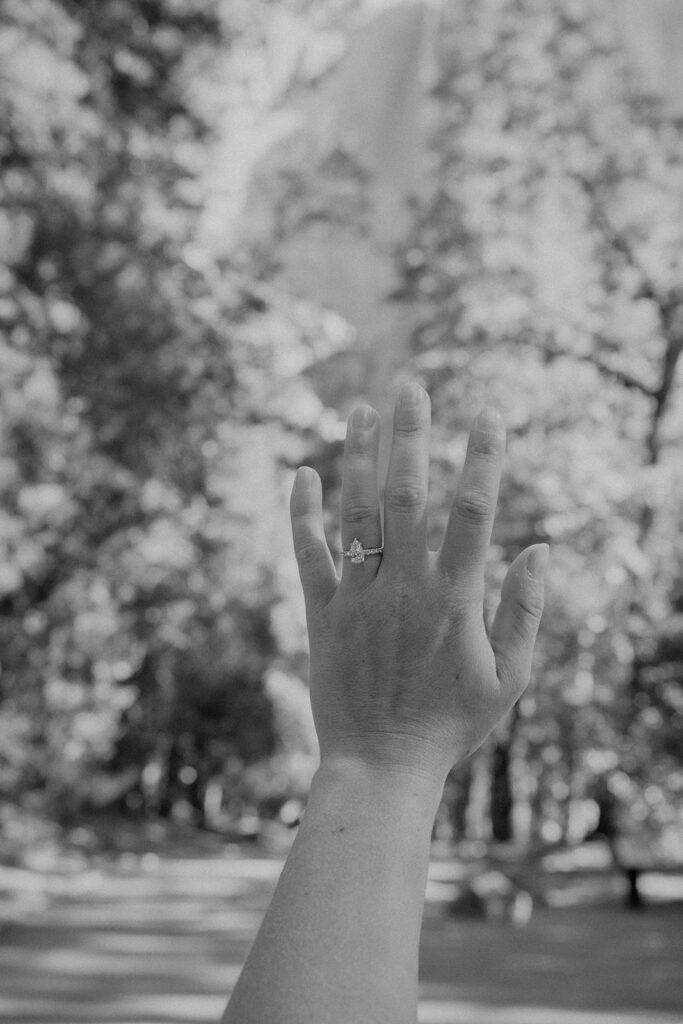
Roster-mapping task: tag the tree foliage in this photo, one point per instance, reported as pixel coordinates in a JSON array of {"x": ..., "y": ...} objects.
[
  {"x": 545, "y": 266},
  {"x": 157, "y": 388},
  {"x": 143, "y": 404}
]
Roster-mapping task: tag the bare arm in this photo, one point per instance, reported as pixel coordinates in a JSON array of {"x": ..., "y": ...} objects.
[
  {"x": 404, "y": 684},
  {"x": 339, "y": 944}
]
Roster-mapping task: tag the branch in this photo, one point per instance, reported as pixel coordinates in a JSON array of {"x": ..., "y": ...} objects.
[
  {"x": 620, "y": 243},
  {"x": 674, "y": 350},
  {"x": 624, "y": 378}
]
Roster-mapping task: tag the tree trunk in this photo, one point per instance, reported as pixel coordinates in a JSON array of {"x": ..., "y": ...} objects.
[
  {"x": 478, "y": 820},
  {"x": 502, "y": 797},
  {"x": 501, "y": 793},
  {"x": 457, "y": 793}
]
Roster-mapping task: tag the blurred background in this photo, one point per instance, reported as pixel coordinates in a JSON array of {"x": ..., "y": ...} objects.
[{"x": 223, "y": 223}]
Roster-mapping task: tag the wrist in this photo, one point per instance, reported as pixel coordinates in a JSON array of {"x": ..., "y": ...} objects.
[{"x": 349, "y": 787}]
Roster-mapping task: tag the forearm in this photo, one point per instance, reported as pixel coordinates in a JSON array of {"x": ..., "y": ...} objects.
[{"x": 339, "y": 942}]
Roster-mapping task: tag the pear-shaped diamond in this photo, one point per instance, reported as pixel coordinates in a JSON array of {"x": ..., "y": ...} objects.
[{"x": 356, "y": 551}]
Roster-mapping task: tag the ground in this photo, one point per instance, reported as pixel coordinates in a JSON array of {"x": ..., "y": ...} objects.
[{"x": 158, "y": 939}]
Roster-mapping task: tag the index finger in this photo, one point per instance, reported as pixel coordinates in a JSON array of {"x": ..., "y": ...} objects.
[{"x": 468, "y": 534}]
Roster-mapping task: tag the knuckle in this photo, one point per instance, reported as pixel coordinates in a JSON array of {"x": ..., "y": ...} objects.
[
  {"x": 473, "y": 507},
  {"x": 406, "y": 496},
  {"x": 504, "y": 668},
  {"x": 409, "y": 426},
  {"x": 488, "y": 446},
  {"x": 309, "y": 554},
  {"x": 357, "y": 444},
  {"x": 467, "y": 596},
  {"x": 507, "y": 671},
  {"x": 530, "y": 605},
  {"x": 358, "y": 512}
]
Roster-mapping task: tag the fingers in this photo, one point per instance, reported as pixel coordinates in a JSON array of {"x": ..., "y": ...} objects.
[
  {"x": 360, "y": 496},
  {"x": 316, "y": 568},
  {"x": 515, "y": 625},
  {"x": 405, "y": 497},
  {"x": 468, "y": 534}
]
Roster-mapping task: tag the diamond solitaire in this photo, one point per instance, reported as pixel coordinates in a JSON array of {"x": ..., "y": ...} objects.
[{"x": 357, "y": 553}]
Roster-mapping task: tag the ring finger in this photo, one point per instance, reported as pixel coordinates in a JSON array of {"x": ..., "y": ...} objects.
[{"x": 360, "y": 496}]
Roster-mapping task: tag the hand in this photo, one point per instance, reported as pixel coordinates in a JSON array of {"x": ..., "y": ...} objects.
[{"x": 403, "y": 674}]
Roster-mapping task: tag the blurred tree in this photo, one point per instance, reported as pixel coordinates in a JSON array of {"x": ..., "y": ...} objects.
[
  {"x": 546, "y": 265},
  {"x": 543, "y": 274},
  {"x": 148, "y": 390}
]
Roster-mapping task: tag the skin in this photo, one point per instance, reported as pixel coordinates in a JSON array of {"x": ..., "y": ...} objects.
[{"x": 405, "y": 683}]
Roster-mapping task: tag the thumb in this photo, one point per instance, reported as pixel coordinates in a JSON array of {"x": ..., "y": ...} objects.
[{"x": 514, "y": 629}]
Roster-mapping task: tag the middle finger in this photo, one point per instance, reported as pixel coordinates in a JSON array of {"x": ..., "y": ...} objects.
[{"x": 405, "y": 497}]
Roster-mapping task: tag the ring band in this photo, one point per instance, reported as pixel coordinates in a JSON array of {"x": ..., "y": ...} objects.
[{"x": 357, "y": 553}]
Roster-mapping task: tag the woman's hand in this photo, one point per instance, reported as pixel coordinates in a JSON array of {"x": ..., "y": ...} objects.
[
  {"x": 403, "y": 675},
  {"x": 404, "y": 683}
]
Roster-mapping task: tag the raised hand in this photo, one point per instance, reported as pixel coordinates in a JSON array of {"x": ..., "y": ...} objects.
[
  {"x": 403, "y": 674},
  {"x": 404, "y": 683}
]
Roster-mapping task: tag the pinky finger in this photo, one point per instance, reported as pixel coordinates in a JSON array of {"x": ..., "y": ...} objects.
[
  {"x": 316, "y": 568},
  {"x": 515, "y": 627}
]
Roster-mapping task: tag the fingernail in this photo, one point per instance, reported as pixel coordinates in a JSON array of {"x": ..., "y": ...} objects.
[
  {"x": 537, "y": 561},
  {"x": 410, "y": 395},
  {"x": 364, "y": 416},
  {"x": 489, "y": 419},
  {"x": 305, "y": 477}
]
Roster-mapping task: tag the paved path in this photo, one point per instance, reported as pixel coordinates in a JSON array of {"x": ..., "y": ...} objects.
[{"x": 161, "y": 942}]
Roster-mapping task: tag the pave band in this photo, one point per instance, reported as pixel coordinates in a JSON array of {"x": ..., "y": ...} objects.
[{"x": 357, "y": 553}]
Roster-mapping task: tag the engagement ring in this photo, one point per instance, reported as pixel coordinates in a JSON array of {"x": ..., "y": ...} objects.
[{"x": 357, "y": 553}]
